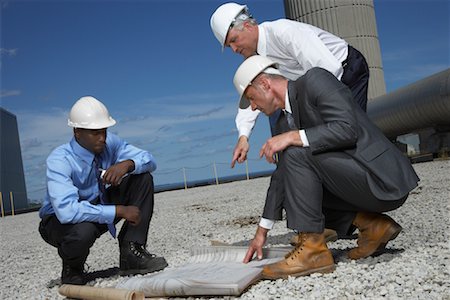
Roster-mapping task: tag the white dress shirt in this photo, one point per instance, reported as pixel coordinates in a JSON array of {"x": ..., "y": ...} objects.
[{"x": 296, "y": 47}]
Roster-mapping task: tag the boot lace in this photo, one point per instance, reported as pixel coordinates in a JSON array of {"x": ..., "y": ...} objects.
[{"x": 299, "y": 247}]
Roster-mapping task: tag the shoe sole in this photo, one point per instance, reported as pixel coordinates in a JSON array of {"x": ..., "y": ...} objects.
[
  {"x": 143, "y": 271},
  {"x": 323, "y": 270},
  {"x": 391, "y": 233}
]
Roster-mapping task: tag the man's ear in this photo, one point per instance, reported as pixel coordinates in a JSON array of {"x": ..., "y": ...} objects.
[
  {"x": 264, "y": 83},
  {"x": 76, "y": 133},
  {"x": 249, "y": 26}
]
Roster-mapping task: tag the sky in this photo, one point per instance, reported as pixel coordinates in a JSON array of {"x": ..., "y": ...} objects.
[{"x": 158, "y": 68}]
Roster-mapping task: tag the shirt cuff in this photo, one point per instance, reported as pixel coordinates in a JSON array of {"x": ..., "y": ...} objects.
[
  {"x": 245, "y": 131},
  {"x": 266, "y": 223},
  {"x": 304, "y": 138},
  {"x": 109, "y": 214}
]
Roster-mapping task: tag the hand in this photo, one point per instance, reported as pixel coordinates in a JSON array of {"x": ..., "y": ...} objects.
[
  {"x": 256, "y": 245},
  {"x": 240, "y": 151},
  {"x": 114, "y": 174},
  {"x": 130, "y": 213},
  {"x": 279, "y": 143}
]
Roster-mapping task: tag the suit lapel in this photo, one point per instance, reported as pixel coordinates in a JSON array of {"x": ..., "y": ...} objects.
[{"x": 292, "y": 93}]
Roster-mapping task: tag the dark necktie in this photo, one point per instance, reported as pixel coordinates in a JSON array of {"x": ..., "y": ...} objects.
[
  {"x": 102, "y": 190},
  {"x": 290, "y": 121}
]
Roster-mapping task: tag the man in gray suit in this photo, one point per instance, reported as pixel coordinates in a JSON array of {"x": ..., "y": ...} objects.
[{"x": 336, "y": 166}]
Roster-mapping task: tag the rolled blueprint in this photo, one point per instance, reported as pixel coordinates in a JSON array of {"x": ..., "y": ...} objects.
[{"x": 97, "y": 293}]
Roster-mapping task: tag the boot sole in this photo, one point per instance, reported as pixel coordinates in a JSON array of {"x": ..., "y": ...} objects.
[
  {"x": 323, "y": 270},
  {"x": 155, "y": 268}
]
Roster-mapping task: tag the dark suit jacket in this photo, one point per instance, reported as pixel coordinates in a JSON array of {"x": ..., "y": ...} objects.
[{"x": 324, "y": 107}]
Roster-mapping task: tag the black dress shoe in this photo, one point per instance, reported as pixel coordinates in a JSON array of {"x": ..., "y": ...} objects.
[
  {"x": 135, "y": 259},
  {"x": 73, "y": 275}
]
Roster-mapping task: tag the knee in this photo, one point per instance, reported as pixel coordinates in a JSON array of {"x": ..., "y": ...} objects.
[
  {"x": 145, "y": 178},
  {"x": 83, "y": 234},
  {"x": 294, "y": 154}
]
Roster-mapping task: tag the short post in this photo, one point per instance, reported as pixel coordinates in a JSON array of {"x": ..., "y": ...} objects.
[
  {"x": 1, "y": 205},
  {"x": 215, "y": 174},
  {"x": 11, "y": 198},
  {"x": 246, "y": 168},
  {"x": 184, "y": 175}
]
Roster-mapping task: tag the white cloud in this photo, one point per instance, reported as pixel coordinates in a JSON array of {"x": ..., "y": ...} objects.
[
  {"x": 9, "y": 93},
  {"x": 8, "y": 52}
]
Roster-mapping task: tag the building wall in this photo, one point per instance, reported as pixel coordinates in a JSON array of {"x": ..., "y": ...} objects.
[
  {"x": 11, "y": 168},
  {"x": 352, "y": 20}
]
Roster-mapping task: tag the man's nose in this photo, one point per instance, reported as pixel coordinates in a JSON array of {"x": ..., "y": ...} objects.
[
  {"x": 233, "y": 47},
  {"x": 253, "y": 106},
  {"x": 102, "y": 137}
]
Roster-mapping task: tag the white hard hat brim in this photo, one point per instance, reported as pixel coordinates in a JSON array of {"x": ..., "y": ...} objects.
[
  {"x": 244, "y": 103},
  {"x": 93, "y": 125}
]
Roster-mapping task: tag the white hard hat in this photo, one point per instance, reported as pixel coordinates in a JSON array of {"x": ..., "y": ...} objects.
[
  {"x": 89, "y": 113},
  {"x": 248, "y": 71},
  {"x": 223, "y": 18}
]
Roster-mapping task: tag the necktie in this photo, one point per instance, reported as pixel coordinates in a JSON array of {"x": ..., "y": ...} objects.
[
  {"x": 290, "y": 121},
  {"x": 101, "y": 188}
]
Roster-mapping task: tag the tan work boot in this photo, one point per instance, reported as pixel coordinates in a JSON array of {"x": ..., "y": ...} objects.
[
  {"x": 375, "y": 230},
  {"x": 310, "y": 255},
  {"x": 330, "y": 235}
]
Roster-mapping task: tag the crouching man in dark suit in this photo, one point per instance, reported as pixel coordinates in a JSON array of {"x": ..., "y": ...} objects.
[{"x": 338, "y": 169}]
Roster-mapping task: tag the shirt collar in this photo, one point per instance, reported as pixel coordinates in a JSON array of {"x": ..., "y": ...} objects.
[
  {"x": 81, "y": 152},
  {"x": 287, "y": 103},
  {"x": 261, "y": 47}
]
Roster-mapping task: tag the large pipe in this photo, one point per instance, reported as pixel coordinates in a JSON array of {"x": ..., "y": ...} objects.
[{"x": 423, "y": 104}]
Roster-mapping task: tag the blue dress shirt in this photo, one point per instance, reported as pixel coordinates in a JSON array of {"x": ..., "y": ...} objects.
[{"x": 72, "y": 181}]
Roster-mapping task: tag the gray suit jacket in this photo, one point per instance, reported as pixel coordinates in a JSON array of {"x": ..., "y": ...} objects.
[{"x": 324, "y": 107}]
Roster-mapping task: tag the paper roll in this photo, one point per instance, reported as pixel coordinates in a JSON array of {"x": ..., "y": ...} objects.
[{"x": 96, "y": 293}]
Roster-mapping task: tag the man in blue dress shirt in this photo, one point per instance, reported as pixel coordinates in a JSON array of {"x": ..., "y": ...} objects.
[{"x": 93, "y": 182}]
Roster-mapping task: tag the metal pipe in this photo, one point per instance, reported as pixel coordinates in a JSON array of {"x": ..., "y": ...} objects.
[{"x": 420, "y": 105}]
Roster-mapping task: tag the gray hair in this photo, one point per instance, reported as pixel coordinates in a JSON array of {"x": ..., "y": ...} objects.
[
  {"x": 257, "y": 81},
  {"x": 242, "y": 18}
]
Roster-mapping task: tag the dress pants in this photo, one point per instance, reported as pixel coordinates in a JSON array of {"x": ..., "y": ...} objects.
[
  {"x": 326, "y": 190},
  {"x": 356, "y": 76},
  {"x": 74, "y": 240}
]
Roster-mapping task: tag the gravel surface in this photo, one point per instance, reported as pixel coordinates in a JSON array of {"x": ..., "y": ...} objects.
[{"x": 415, "y": 265}]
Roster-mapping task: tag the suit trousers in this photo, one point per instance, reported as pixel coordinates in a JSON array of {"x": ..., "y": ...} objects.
[
  {"x": 74, "y": 240},
  {"x": 326, "y": 190}
]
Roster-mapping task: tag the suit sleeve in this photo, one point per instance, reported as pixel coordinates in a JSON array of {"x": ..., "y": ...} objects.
[{"x": 332, "y": 100}]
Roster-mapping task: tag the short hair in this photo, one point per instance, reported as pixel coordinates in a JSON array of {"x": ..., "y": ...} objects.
[
  {"x": 241, "y": 19},
  {"x": 270, "y": 76}
]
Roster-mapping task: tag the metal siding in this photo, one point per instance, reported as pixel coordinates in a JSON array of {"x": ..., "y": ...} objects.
[{"x": 11, "y": 167}]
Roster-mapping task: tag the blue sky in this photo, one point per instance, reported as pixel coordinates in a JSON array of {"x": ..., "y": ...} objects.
[{"x": 160, "y": 71}]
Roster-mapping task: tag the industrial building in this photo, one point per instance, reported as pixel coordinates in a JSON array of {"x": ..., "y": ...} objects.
[{"x": 12, "y": 179}]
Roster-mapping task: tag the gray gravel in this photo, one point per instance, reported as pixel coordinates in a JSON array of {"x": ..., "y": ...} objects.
[{"x": 415, "y": 266}]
